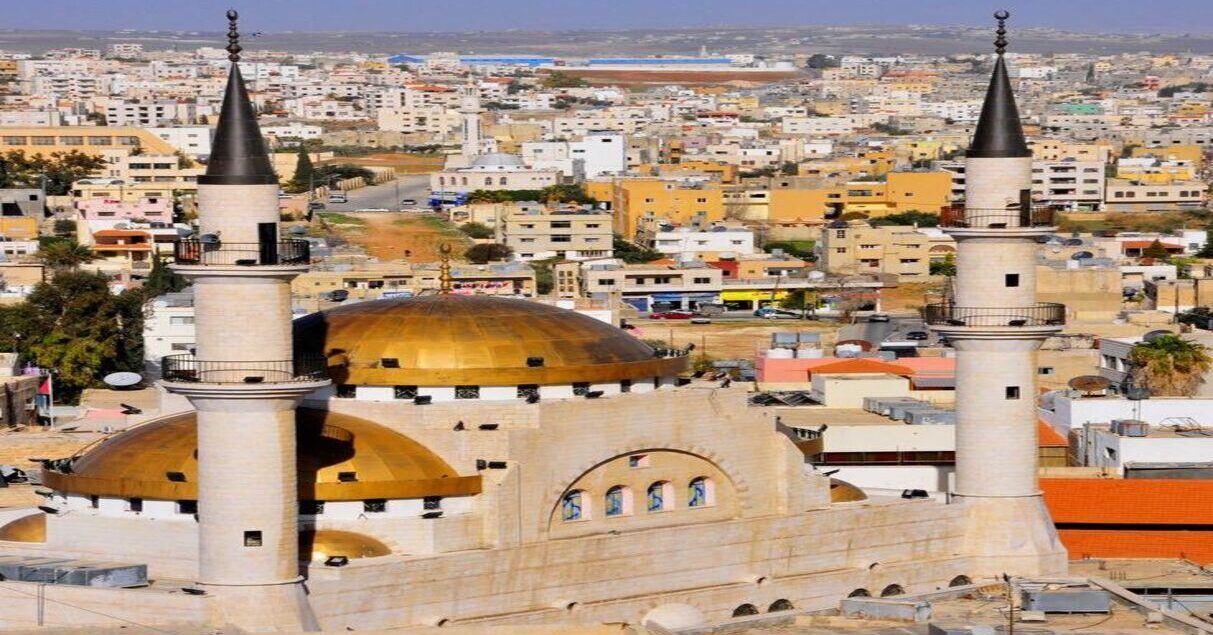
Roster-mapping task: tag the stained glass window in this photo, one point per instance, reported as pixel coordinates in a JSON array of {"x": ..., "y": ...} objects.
[
  {"x": 697, "y": 493},
  {"x": 656, "y": 497},
  {"x": 570, "y": 507},
  {"x": 614, "y": 501}
]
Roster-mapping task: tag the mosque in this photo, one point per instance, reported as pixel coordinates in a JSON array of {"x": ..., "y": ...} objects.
[{"x": 473, "y": 460}]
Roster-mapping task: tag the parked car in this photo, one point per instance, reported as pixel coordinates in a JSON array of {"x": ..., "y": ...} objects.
[
  {"x": 777, "y": 314},
  {"x": 408, "y": 202},
  {"x": 315, "y": 206},
  {"x": 672, "y": 315},
  {"x": 338, "y": 197},
  {"x": 1200, "y": 317},
  {"x": 918, "y": 336},
  {"x": 701, "y": 319},
  {"x": 878, "y": 317}
]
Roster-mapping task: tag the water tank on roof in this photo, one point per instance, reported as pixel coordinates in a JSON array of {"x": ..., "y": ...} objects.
[{"x": 781, "y": 353}]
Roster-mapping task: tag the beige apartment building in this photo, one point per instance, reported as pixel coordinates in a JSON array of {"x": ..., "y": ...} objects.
[
  {"x": 644, "y": 287},
  {"x": 1125, "y": 195},
  {"x": 537, "y": 232},
  {"x": 857, "y": 247},
  {"x": 372, "y": 281}
]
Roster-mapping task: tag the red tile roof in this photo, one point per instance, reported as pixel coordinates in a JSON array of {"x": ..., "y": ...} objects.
[
  {"x": 1047, "y": 437},
  {"x": 1129, "y": 501},
  {"x": 1196, "y": 546}
]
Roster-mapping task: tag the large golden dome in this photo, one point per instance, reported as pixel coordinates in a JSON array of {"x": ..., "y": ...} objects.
[
  {"x": 159, "y": 460},
  {"x": 451, "y": 340}
]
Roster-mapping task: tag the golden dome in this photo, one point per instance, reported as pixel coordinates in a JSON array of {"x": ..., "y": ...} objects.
[
  {"x": 452, "y": 340},
  {"x": 384, "y": 463},
  {"x": 318, "y": 545},
  {"x": 25, "y": 529},
  {"x": 843, "y": 492}
]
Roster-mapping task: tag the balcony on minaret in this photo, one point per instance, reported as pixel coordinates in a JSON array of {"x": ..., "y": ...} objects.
[
  {"x": 1013, "y": 217},
  {"x": 188, "y": 369},
  {"x": 213, "y": 251},
  {"x": 1048, "y": 315}
]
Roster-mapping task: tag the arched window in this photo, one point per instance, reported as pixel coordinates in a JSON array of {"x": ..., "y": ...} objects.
[
  {"x": 745, "y": 609},
  {"x": 780, "y": 605},
  {"x": 571, "y": 508},
  {"x": 701, "y": 492},
  {"x": 488, "y": 180},
  {"x": 960, "y": 580},
  {"x": 501, "y": 180},
  {"x": 465, "y": 181},
  {"x": 618, "y": 501},
  {"x": 859, "y": 593},
  {"x": 891, "y": 590},
  {"x": 441, "y": 180},
  {"x": 660, "y": 497}
]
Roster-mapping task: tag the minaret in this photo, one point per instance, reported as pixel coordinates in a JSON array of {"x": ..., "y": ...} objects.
[
  {"x": 243, "y": 378},
  {"x": 996, "y": 325},
  {"x": 469, "y": 107}
]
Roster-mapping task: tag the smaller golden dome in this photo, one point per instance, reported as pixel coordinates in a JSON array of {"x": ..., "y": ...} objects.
[
  {"x": 319, "y": 545},
  {"x": 843, "y": 492},
  {"x": 25, "y": 529}
]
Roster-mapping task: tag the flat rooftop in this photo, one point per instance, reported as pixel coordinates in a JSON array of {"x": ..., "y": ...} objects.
[{"x": 814, "y": 416}]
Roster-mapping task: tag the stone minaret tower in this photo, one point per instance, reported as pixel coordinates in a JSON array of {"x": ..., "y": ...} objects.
[
  {"x": 469, "y": 107},
  {"x": 243, "y": 378},
  {"x": 996, "y": 325}
]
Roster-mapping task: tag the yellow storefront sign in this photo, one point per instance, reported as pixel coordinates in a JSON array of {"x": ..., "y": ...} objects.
[{"x": 749, "y": 296}]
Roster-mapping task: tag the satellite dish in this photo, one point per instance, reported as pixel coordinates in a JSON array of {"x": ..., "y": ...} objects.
[
  {"x": 1089, "y": 383},
  {"x": 122, "y": 380},
  {"x": 1081, "y": 255},
  {"x": 1153, "y": 335}
]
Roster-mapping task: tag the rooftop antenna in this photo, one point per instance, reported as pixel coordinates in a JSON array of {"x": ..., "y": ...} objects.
[
  {"x": 444, "y": 270},
  {"x": 233, "y": 37}
]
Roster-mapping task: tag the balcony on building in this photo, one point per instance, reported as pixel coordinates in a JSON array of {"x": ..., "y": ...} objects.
[
  {"x": 1035, "y": 316},
  {"x": 214, "y": 252},
  {"x": 1016, "y": 217}
]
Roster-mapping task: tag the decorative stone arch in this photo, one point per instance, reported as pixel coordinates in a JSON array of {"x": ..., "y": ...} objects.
[
  {"x": 782, "y": 604},
  {"x": 744, "y": 610},
  {"x": 552, "y": 499},
  {"x": 960, "y": 580},
  {"x": 892, "y": 590},
  {"x": 859, "y": 593}
]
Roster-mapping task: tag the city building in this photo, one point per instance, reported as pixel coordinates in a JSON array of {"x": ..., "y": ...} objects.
[{"x": 536, "y": 232}]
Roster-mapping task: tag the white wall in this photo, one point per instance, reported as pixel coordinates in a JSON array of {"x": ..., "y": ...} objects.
[{"x": 932, "y": 478}]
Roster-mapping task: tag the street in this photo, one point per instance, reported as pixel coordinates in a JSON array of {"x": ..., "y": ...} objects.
[{"x": 386, "y": 195}]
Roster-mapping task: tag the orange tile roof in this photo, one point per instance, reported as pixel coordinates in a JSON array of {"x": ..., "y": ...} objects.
[
  {"x": 1129, "y": 501},
  {"x": 860, "y": 365},
  {"x": 1196, "y": 546},
  {"x": 1047, "y": 437}
]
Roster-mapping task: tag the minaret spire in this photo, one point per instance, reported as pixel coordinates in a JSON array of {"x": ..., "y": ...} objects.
[
  {"x": 239, "y": 156},
  {"x": 999, "y": 133}
]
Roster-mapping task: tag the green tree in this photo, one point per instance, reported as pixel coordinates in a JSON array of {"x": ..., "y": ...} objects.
[
  {"x": 632, "y": 253},
  {"x": 1207, "y": 250},
  {"x": 558, "y": 79},
  {"x": 1170, "y": 365},
  {"x": 65, "y": 254},
  {"x": 485, "y": 253},
  {"x": 798, "y": 248},
  {"x": 64, "y": 227},
  {"x": 484, "y": 196},
  {"x": 76, "y": 326},
  {"x": 57, "y": 171},
  {"x": 945, "y": 267},
  {"x": 920, "y": 219},
  {"x": 162, "y": 280},
  {"x": 1156, "y": 251},
  {"x": 304, "y": 171},
  {"x": 790, "y": 168},
  {"x": 342, "y": 171},
  {"x": 476, "y": 230},
  {"x": 545, "y": 279}
]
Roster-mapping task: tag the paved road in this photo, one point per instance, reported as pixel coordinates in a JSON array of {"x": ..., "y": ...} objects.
[
  {"x": 878, "y": 332},
  {"x": 384, "y": 195}
]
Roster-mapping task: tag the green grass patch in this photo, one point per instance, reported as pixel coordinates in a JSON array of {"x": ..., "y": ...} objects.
[
  {"x": 797, "y": 248},
  {"x": 337, "y": 218}
]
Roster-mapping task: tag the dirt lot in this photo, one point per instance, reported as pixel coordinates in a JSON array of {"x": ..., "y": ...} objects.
[
  {"x": 910, "y": 296},
  {"x": 403, "y": 163},
  {"x": 728, "y": 340},
  {"x": 398, "y": 235}
]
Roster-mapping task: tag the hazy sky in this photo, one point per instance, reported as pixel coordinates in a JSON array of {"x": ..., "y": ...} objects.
[{"x": 1181, "y": 16}]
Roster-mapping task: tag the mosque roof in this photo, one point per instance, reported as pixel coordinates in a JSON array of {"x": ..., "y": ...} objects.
[
  {"x": 497, "y": 159},
  {"x": 455, "y": 340},
  {"x": 158, "y": 460}
]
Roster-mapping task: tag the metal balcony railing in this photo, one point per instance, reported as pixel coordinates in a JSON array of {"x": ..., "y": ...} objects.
[
  {"x": 193, "y": 251},
  {"x": 1040, "y": 314},
  {"x": 186, "y": 368},
  {"x": 978, "y": 218}
]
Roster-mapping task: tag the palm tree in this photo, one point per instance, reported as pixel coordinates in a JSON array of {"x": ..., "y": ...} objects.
[
  {"x": 65, "y": 254},
  {"x": 483, "y": 196},
  {"x": 1170, "y": 365}
]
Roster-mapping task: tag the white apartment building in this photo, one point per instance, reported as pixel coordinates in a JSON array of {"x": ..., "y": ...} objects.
[
  {"x": 436, "y": 120},
  {"x": 126, "y": 50},
  {"x": 494, "y": 171},
  {"x": 1070, "y": 183},
  {"x": 596, "y": 154},
  {"x": 826, "y": 126},
  {"x": 193, "y": 141},
  {"x": 686, "y": 243},
  {"x": 323, "y": 108},
  {"x": 168, "y": 328},
  {"x": 147, "y": 114},
  {"x": 292, "y": 130},
  {"x": 30, "y": 118}
]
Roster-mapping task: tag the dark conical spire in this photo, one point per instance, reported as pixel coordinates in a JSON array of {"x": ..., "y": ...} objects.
[
  {"x": 238, "y": 156},
  {"x": 999, "y": 133}
]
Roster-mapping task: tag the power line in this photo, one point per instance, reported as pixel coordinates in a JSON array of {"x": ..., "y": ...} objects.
[{"x": 43, "y": 598}]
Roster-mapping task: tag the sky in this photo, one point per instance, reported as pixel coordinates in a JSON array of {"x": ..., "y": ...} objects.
[{"x": 1138, "y": 16}]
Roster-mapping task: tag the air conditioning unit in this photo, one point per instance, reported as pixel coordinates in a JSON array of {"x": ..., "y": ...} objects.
[{"x": 1130, "y": 428}]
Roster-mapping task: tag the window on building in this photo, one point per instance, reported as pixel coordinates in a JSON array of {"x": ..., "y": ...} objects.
[
  {"x": 404, "y": 392},
  {"x": 561, "y": 224},
  {"x": 703, "y": 280},
  {"x": 699, "y": 492},
  {"x": 1012, "y": 280},
  {"x": 1045, "y": 370},
  {"x": 618, "y": 501},
  {"x": 467, "y": 392},
  {"x": 1012, "y": 392},
  {"x": 660, "y": 497},
  {"x": 346, "y": 391},
  {"x": 42, "y": 141},
  {"x": 528, "y": 391},
  {"x": 181, "y": 319},
  {"x": 134, "y": 504},
  {"x": 571, "y": 507},
  {"x": 625, "y": 385},
  {"x": 374, "y": 505}
]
